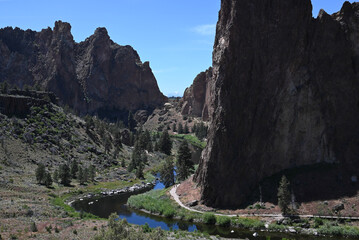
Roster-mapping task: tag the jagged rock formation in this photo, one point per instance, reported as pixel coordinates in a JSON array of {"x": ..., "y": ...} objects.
[
  {"x": 196, "y": 98},
  {"x": 94, "y": 76},
  {"x": 285, "y": 94}
]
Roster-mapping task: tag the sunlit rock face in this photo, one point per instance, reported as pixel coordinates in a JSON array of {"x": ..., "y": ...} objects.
[
  {"x": 285, "y": 94},
  {"x": 96, "y": 76},
  {"x": 196, "y": 98}
]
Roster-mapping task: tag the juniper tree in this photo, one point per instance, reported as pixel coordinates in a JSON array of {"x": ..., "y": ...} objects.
[
  {"x": 180, "y": 128},
  {"x": 165, "y": 143},
  {"x": 65, "y": 174},
  {"x": 74, "y": 168},
  {"x": 186, "y": 130},
  {"x": 184, "y": 164},
  {"x": 47, "y": 180},
  {"x": 166, "y": 172},
  {"x": 55, "y": 176},
  {"x": 284, "y": 195},
  {"x": 40, "y": 173},
  {"x": 139, "y": 171}
]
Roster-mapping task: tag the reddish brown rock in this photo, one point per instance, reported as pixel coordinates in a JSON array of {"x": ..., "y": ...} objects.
[
  {"x": 196, "y": 98},
  {"x": 96, "y": 76},
  {"x": 285, "y": 94}
]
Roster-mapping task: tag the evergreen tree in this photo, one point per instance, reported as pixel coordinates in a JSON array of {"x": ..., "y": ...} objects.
[
  {"x": 107, "y": 143},
  {"x": 40, "y": 173},
  {"x": 81, "y": 176},
  {"x": 89, "y": 122},
  {"x": 201, "y": 131},
  {"x": 149, "y": 146},
  {"x": 123, "y": 163},
  {"x": 139, "y": 171},
  {"x": 132, "y": 139},
  {"x": 131, "y": 123},
  {"x": 180, "y": 128},
  {"x": 167, "y": 174},
  {"x": 92, "y": 173},
  {"x": 4, "y": 87},
  {"x": 194, "y": 128},
  {"x": 48, "y": 180},
  {"x": 186, "y": 130},
  {"x": 55, "y": 176},
  {"x": 165, "y": 144},
  {"x": 74, "y": 168},
  {"x": 117, "y": 140},
  {"x": 184, "y": 164},
  {"x": 86, "y": 174},
  {"x": 65, "y": 174},
  {"x": 157, "y": 147},
  {"x": 284, "y": 195}
]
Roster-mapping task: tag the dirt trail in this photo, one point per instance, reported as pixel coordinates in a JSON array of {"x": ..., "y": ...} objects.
[{"x": 176, "y": 198}]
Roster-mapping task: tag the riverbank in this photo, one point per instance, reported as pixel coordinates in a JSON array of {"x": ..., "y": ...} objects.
[{"x": 161, "y": 203}]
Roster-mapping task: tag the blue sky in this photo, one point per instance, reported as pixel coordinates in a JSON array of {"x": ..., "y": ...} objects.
[{"x": 176, "y": 36}]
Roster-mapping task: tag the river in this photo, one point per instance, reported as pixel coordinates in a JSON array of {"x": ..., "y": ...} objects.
[{"x": 104, "y": 206}]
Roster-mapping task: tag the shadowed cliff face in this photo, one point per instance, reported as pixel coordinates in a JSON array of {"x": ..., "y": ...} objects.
[
  {"x": 196, "y": 98},
  {"x": 92, "y": 76},
  {"x": 285, "y": 94}
]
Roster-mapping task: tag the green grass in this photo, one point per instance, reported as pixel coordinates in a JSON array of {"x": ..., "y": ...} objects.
[
  {"x": 191, "y": 139},
  {"x": 158, "y": 202},
  {"x": 60, "y": 201},
  {"x": 248, "y": 223},
  {"x": 154, "y": 201},
  {"x": 223, "y": 221},
  {"x": 340, "y": 230}
]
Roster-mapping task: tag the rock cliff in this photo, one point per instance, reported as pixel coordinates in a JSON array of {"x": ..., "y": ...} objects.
[
  {"x": 96, "y": 76},
  {"x": 285, "y": 94},
  {"x": 196, "y": 98}
]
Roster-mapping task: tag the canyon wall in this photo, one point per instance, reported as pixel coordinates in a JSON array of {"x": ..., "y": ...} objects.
[
  {"x": 96, "y": 76},
  {"x": 285, "y": 94}
]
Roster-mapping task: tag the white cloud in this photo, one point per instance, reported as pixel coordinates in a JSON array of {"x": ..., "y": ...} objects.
[{"x": 207, "y": 29}]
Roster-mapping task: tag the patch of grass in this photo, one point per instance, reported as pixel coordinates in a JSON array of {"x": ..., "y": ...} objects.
[
  {"x": 154, "y": 201},
  {"x": 248, "y": 223},
  {"x": 341, "y": 230},
  {"x": 276, "y": 228},
  {"x": 60, "y": 201},
  {"x": 191, "y": 139},
  {"x": 223, "y": 221}
]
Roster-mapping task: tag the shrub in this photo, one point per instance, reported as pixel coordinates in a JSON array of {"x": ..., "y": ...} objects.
[
  {"x": 33, "y": 227},
  {"x": 146, "y": 228},
  {"x": 209, "y": 218},
  {"x": 223, "y": 221},
  {"x": 318, "y": 222}
]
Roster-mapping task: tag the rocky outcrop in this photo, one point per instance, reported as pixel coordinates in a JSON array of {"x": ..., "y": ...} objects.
[
  {"x": 96, "y": 76},
  {"x": 285, "y": 94},
  {"x": 196, "y": 98},
  {"x": 18, "y": 103}
]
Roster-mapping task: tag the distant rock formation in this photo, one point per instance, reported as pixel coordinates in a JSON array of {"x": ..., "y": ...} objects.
[
  {"x": 285, "y": 94},
  {"x": 196, "y": 98},
  {"x": 96, "y": 76}
]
